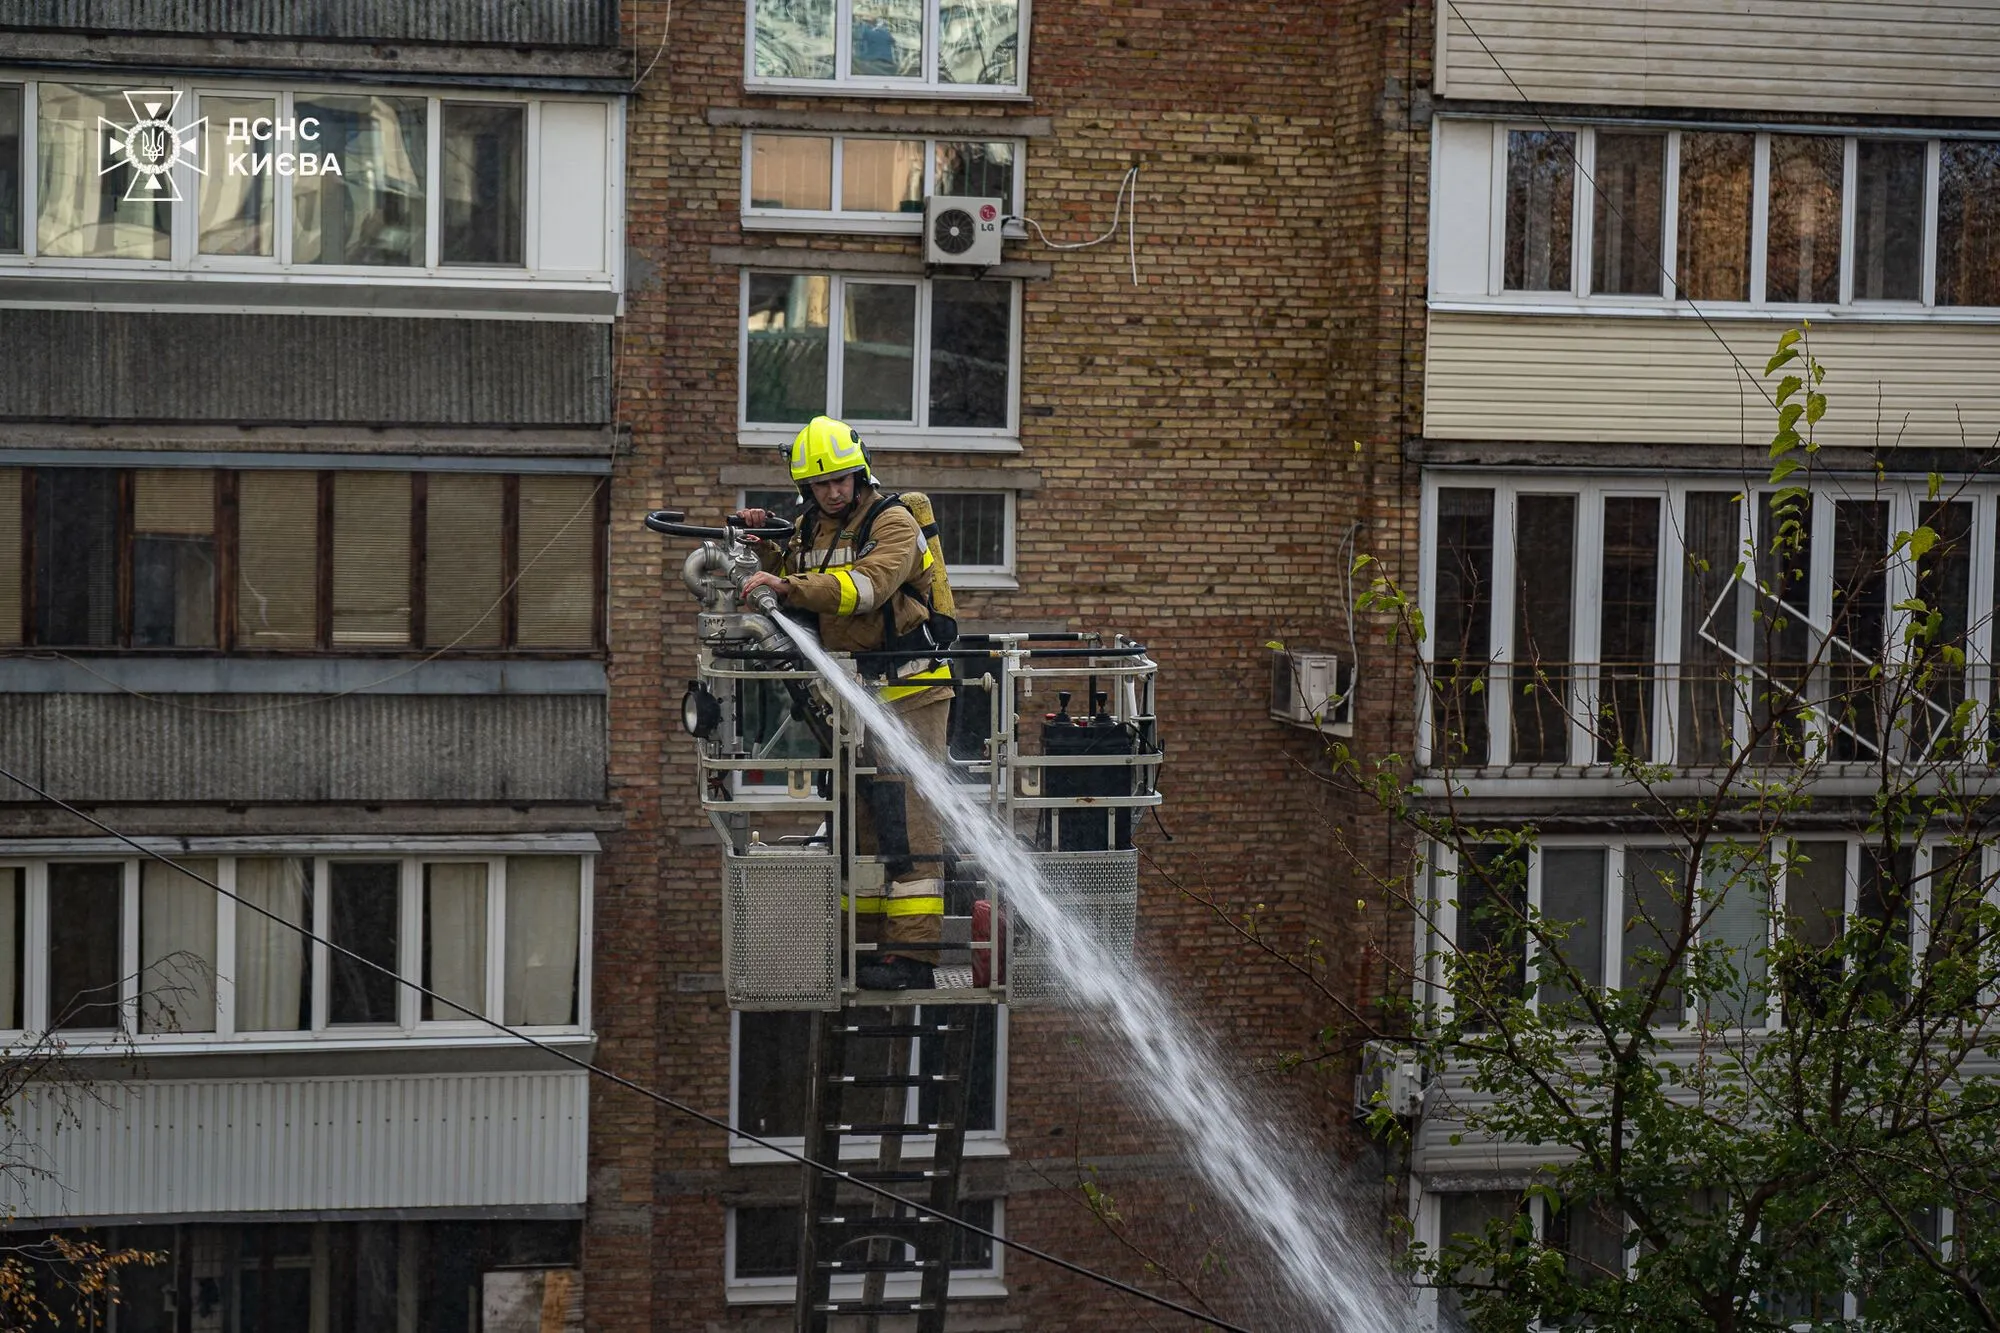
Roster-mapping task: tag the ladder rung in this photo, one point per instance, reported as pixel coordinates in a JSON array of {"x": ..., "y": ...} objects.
[
  {"x": 897, "y": 1029},
  {"x": 863, "y": 1307},
  {"x": 885, "y": 1127},
  {"x": 891, "y": 1080},
  {"x": 880, "y": 1225},
  {"x": 897, "y": 1177},
  {"x": 879, "y": 1265}
]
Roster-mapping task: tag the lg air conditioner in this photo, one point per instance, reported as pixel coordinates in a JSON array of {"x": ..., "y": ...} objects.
[
  {"x": 1312, "y": 690},
  {"x": 962, "y": 231}
]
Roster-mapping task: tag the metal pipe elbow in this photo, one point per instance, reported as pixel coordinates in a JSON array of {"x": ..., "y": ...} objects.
[
  {"x": 698, "y": 563},
  {"x": 765, "y": 630}
]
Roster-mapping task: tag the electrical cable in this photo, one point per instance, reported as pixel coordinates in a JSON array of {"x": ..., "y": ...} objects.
[
  {"x": 1118, "y": 210},
  {"x": 621, "y": 1081}
]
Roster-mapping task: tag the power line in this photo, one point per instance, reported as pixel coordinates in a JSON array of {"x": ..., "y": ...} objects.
[{"x": 620, "y": 1080}]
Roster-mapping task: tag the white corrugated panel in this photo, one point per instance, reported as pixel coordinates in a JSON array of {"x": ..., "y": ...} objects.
[
  {"x": 1611, "y": 379},
  {"x": 1886, "y": 56},
  {"x": 257, "y": 1145}
]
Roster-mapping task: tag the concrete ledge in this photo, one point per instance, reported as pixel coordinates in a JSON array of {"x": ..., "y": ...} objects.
[
  {"x": 862, "y": 122},
  {"x": 317, "y": 675},
  {"x": 849, "y": 261}
]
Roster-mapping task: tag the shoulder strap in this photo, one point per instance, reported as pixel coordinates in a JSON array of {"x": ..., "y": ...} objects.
[{"x": 868, "y": 520}]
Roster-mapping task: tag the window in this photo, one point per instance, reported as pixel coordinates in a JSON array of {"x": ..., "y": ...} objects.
[
  {"x": 1661, "y": 653},
  {"x": 239, "y": 209},
  {"x": 273, "y": 991},
  {"x": 540, "y": 983},
  {"x": 1625, "y": 251},
  {"x": 763, "y": 1247},
  {"x": 1541, "y": 187},
  {"x": 852, "y": 182},
  {"x": 86, "y": 920},
  {"x": 977, "y": 47},
  {"x": 10, "y": 170},
  {"x": 1968, "y": 239},
  {"x": 85, "y": 213},
  {"x": 912, "y": 355},
  {"x": 1718, "y": 172},
  {"x": 1889, "y": 220},
  {"x": 365, "y": 921},
  {"x": 484, "y": 183},
  {"x": 177, "y": 947},
  {"x": 1802, "y": 247},
  {"x": 374, "y": 211},
  {"x": 353, "y": 560}
]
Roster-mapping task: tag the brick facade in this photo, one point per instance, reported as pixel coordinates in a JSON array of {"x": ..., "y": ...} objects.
[{"x": 1195, "y": 438}]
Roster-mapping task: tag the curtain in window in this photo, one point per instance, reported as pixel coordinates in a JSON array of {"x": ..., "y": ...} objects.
[
  {"x": 882, "y": 176},
  {"x": 177, "y": 948},
  {"x": 557, "y": 593},
  {"x": 455, "y": 940},
  {"x": 271, "y": 958},
  {"x": 791, "y": 171},
  {"x": 542, "y": 929}
]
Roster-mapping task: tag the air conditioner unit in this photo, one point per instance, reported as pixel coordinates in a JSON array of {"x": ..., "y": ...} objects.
[
  {"x": 962, "y": 230},
  {"x": 1312, "y": 690},
  {"x": 1393, "y": 1072}
]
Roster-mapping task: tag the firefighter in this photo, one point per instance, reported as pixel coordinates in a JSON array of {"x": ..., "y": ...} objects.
[{"x": 861, "y": 565}]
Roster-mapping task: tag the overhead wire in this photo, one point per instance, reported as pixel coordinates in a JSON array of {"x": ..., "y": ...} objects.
[{"x": 619, "y": 1080}]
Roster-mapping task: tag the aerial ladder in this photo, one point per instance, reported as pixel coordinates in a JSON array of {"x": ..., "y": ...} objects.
[{"x": 777, "y": 769}]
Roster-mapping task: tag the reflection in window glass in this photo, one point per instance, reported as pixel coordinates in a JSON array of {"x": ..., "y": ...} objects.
[
  {"x": 1888, "y": 220},
  {"x": 238, "y": 208},
  {"x": 454, "y": 935},
  {"x": 371, "y": 558},
  {"x": 10, "y": 170},
  {"x": 277, "y": 563},
  {"x": 365, "y": 919},
  {"x": 1573, "y": 900},
  {"x": 173, "y": 558},
  {"x": 1736, "y": 892},
  {"x": 1968, "y": 229},
  {"x": 1462, "y": 626},
  {"x": 177, "y": 947},
  {"x": 786, "y": 379},
  {"x": 85, "y": 922},
  {"x": 971, "y": 333},
  {"x": 1717, "y": 178},
  {"x": 373, "y": 213},
  {"x": 1652, "y": 923},
  {"x": 1802, "y": 261},
  {"x": 273, "y": 958},
  {"x": 1541, "y": 181},
  {"x": 887, "y": 39},
  {"x": 978, "y": 170},
  {"x": 482, "y": 183},
  {"x": 879, "y": 352},
  {"x": 972, "y": 525},
  {"x": 76, "y": 556},
  {"x": 794, "y": 39},
  {"x": 882, "y": 176},
  {"x": 1630, "y": 581},
  {"x": 1631, "y": 174},
  {"x": 543, "y": 913},
  {"x": 979, "y": 41},
  {"x": 1544, "y": 596},
  {"x": 83, "y": 213},
  {"x": 791, "y": 171}
]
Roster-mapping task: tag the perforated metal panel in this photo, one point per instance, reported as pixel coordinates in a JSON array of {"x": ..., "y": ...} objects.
[
  {"x": 781, "y": 931},
  {"x": 1098, "y": 889}
]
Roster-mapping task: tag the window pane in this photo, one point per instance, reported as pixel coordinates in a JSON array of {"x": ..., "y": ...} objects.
[
  {"x": 1544, "y": 525},
  {"x": 542, "y": 928},
  {"x": 971, "y": 336},
  {"x": 1736, "y": 888},
  {"x": 557, "y": 593},
  {"x": 981, "y": 1086},
  {"x": 1625, "y": 255},
  {"x": 277, "y": 559},
  {"x": 767, "y": 1242},
  {"x": 82, "y": 213},
  {"x": 1968, "y": 233},
  {"x": 1573, "y": 898},
  {"x": 366, "y": 919},
  {"x": 771, "y": 1053},
  {"x": 785, "y": 348},
  {"x": 76, "y": 556},
  {"x": 455, "y": 940},
  {"x": 173, "y": 558},
  {"x": 177, "y": 947},
  {"x": 1462, "y": 624},
  {"x": 1630, "y": 579},
  {"x": 13, "y": 933},
  {"x": 1860, "y": 618},
  {"x": 1590, "y": 1235},
  {"x": 1541, "y": 177},
  {"x": 1803, "y": 245},
  {"x": 1780, "y": 640},
  {"x": 1710, "y": 540},
  {"x": 10, "y": 170},
  {"x": 1492, "y": 892},
  {"x": 1651, "y": 925},
  {"x": 273, "y": 958},
  {"x": 882, "y": 176},
  {"x": 462, "y": 582},
  {"x": 1815, "y": 911},
  {"x": 888, "y": 37},
  {"x": 1888, "y": 220},
  {"x": 791, "y": 171},
  {"x": 1467, "y": 1215},
  {"x": 482, "y": 213},
  {"x": 794, "y": 39},
  {"x": 238, "y": 208},
  {"x": 10, "y": 556},
  {"x": 1944, "y": 586},
  {"x": 371, "y": 558},
  {"x": 1718, "y": 175},
  {"x": 879, "y": 346},
  {"x": 373, "y": 212},
  {"x": 981, "y": 170},
  {"x": 971, "y": 1252},
  {"x": 86, "y": 920},
  {"x": 972, "y": 528},
  {"x": 979, "y": 41}
]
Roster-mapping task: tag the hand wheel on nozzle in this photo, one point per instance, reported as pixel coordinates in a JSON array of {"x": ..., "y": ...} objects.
[{"x": 671, "y": 522}]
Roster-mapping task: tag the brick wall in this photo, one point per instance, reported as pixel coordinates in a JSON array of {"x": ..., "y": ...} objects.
[{"x": 1195, "y": 437}]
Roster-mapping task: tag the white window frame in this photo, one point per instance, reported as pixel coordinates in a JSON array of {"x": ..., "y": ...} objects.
[
  {"x": 880, "y": 435},
  {"x": 978, "y": 1142},
  {"x": 321, "y": 1034},
  {"x": 965, "y": 1284},
  {"x": 845, "y": 83},
  {"x": 278, "y": 266},
  {"x": 839, "y": 220},
  {"x": 1579, "y": 299}
]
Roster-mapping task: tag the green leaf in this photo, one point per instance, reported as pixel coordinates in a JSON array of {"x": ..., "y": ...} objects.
[
  {"x": 1815, "y": 407},
  {"x": 1787, "y": 338},
  {"x": 1788, "y": 386},
  {"x": 1788, "y": 416},
  {"x": 1779, "y": 359},
  {"x": 1921, "y": 541},
  {"x": 1783, "y": 468}
]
